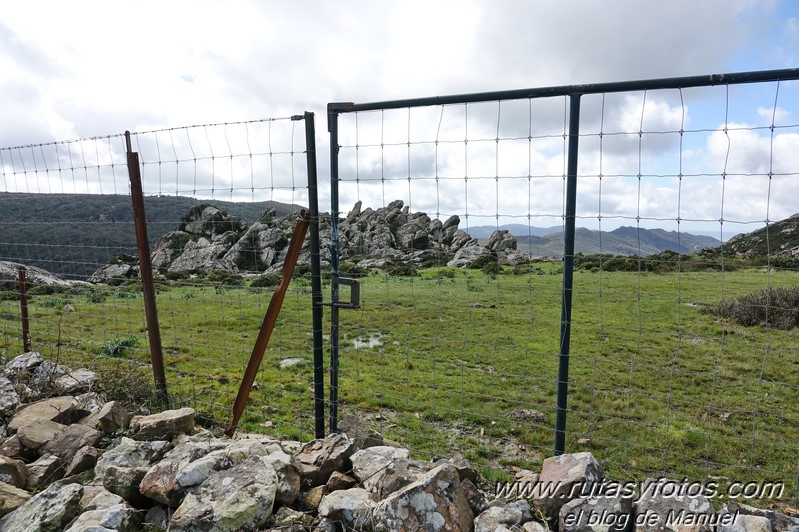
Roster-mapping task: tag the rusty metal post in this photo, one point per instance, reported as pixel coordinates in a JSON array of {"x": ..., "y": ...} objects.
[
  {"x": 23, "y": 309},
  {"x": 270, "y": 319},
  {"x": 146, "y": 273}
]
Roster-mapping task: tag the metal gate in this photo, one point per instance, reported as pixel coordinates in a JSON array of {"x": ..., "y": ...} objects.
[{"x": 448, "y": 380}]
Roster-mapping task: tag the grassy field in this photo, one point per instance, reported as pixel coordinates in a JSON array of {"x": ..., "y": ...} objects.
[{"x": 450, "y": 360}]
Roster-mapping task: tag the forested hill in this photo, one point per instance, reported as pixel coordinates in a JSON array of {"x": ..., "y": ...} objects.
[{"x": 73, "y": 234}]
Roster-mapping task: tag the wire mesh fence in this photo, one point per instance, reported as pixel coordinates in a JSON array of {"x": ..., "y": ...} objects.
[
  {"x": 221, "y": 202},
  {"x": 456, "y": 215},
  {"x": 461, "y": 337}
]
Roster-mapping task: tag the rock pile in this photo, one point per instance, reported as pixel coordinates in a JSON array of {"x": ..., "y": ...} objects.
[
  {"x": 211, "y": 239},
  {"x": 74, "y": 462}
]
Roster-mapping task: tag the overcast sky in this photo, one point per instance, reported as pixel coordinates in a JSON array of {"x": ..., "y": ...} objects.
[{"x": 84, "y": 69}]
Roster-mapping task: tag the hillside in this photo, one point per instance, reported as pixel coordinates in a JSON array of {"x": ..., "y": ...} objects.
[
  {"x": 621, "y": 241},
  {"x": 73, "y": 234},
  {"x": 779, "y": 238}
]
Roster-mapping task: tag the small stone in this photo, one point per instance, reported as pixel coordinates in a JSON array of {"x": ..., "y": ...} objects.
[
  {"x": 67, "y": 442},
  {"x": 13, "y": 448},
  {"x": 36, "y": 433},
  {"x": 313, "y": 497},
  {"x": 239, "y": 498},
  {"x": 351, "y": 508},
  {"x": 24, "y": 363},
  {"x": 434, "y": 502},
  {"x": 96, "y": 497},
  {"x": 164, "y": 425},
  {"x": 290, "y": 520},
  {"x": 43, "y": 471},
  {"x": 360, "y": 434},
  {"x": 9, "y": 399},
  {"x": 48, "y": 510},
  {"x": 564, "y": 472},
  {"x": 288, "y": 487},
  {"x": 56, "y": 409},
  {"x": 339, "y": 481},
  {"x": 316, "y": 460},
  {"x": 75, "y": 381},
  {"x": 11, "y": 498},
  {"x": 110, "y": 418},
  {"x": 85, "y": 458},
  {"x": 477, "y": 501},
  {"x": 120, "y": 518},
  {"x": 13, "y": 472}
]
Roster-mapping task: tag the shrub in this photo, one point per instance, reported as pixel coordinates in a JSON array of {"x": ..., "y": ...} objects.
[
  {"x": 8, "y": 296},
  {"x": 480, "y": 262},
  {"x": 350, "y": 269},
  {"x": 224, "y": 278},
  {"x": 266, "y": 280},
  {"x": 117, "y": 347},
  {"x": 449, "y": 273},
  {"x": 303, "y": 269},
  {"x": 400, "y": 268},
  {"x": 492, "y": 268},
  {"x": 776, "y": 307}
]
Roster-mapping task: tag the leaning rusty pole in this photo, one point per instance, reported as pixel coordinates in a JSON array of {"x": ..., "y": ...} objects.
[{"x": 270, "y": 319}]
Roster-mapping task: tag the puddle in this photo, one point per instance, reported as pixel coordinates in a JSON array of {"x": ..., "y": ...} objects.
[{"x": 374, "y": 340}]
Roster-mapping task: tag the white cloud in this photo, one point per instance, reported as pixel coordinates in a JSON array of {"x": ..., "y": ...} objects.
[{"x": 100, "y": 70}]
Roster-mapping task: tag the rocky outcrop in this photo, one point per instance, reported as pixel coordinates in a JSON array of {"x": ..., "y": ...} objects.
[
  {"x": 9, "y": 276},
  {"x": 210, "y": 239}
]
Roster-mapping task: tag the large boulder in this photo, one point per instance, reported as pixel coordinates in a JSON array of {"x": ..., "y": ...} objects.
[
  {"x": 316, "y": 460},
  {"x": 562, "y": 479},
  {"x": 121, "y": 468},
  {"x": 664, "y": 504},
  {"x": 57, "y": 409},
  {"x": 239, "y": 498},
  {"x": 204, "y": 255},
  {"x": 434, "y": 502},
  {"x": 467, "y": 254},
  {"x": 48, "y": 510},
  {"x": 164, "y": 425}
]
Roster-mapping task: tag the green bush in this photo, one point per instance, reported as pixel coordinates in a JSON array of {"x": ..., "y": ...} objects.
[
  {"x": 492, "y": 268},
  {"x": 776, "y": 307},
  {"x": 303, "y": 269},
  {"x": 350, "y": 269},
  {"x": 224, "y": 278},
  {"x": 400, "y": 268},
  {"x": 8, "y": 296},
  {"x": 117, "y": 347},
  {"x": 480, "y": 262},
  {"x": 266, "y": 280}
]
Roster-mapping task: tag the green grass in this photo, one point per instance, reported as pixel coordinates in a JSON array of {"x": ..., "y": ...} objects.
[{"x": 658, "y": 386}]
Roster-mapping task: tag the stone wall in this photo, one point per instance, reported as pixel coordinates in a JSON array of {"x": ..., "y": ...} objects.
[{"x": 70, "y": 460}]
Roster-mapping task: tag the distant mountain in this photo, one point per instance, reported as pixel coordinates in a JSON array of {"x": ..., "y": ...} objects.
[
  {"x": 517, "y": 230},
  {"x": 622, "y": 241},
  {"x": 779, "y": 238},
  {"x": 73, "y": 234}
]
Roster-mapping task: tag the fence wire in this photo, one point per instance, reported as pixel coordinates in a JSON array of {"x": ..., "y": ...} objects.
[
  {"x": 664, "y": 379},
  {"x": 221, "y": 203}
]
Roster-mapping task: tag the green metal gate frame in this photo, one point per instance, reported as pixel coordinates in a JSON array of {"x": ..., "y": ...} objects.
[{"x": 574, "y": 92}]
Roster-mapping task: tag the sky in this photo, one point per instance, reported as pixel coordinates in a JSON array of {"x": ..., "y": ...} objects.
[{"x": 89, "y": 69}]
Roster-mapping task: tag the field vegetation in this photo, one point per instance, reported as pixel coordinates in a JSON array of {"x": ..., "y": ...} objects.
[{"x": 665, "y": 379}]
